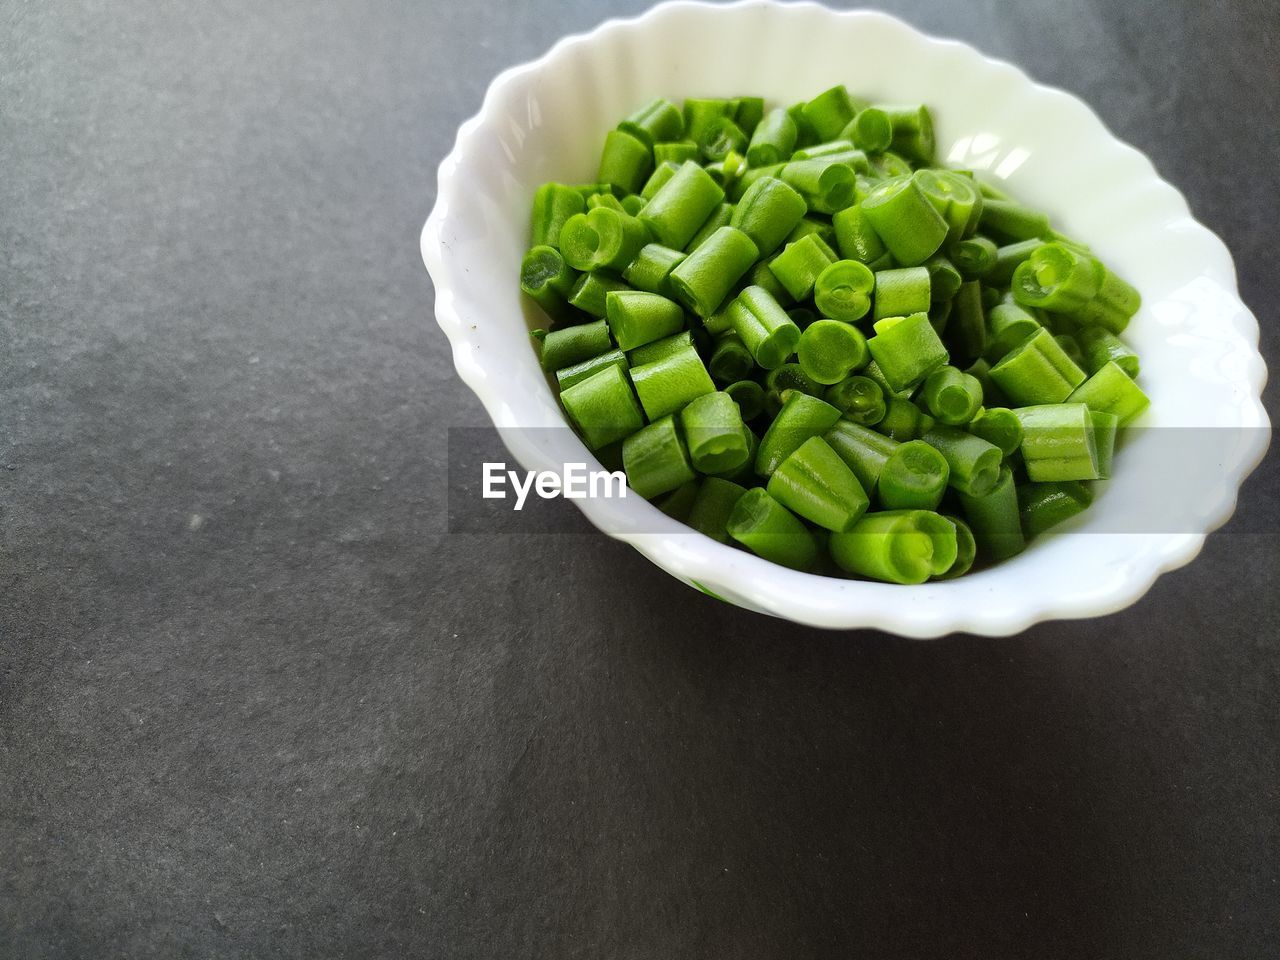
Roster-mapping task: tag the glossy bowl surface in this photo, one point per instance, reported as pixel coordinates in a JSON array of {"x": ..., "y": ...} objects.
[{"x": 1177, "y": 477}]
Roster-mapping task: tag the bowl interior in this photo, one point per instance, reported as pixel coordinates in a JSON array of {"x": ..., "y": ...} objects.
[{"x": 547, "y": 121}]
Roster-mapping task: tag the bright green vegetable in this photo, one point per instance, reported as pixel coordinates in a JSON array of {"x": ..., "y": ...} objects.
[
  {"x": 674, "y": 214},
  {"x": 902, "y": 292},
  {"x": 799, "y": 265},
  {"x": 974, "y": 463},
  {"x": 951, "y": 396},
  {"x": 800, "y": 418},
  {"x": 999, "y": 426},
  {"x": 569, "y": 345},
  {"x": 764, "y": 327},
  {"x": 1111, "y": 390},
  {"x": 548, "y": 280},
  {"x": 602, "y": 238},
  {"x": 713, "y": 506},
  {"x": 749, "y": 396},
  {"x": 652, "y": 267},
  {"x": 897, "y": 546},
  {"x": 906, "y": 349},
  {"x": 625, "y": 162},
  {"x": 816, "y": 484},
  {"x": 767, "y": 212},
  {"x": 705, "y": 277},
  {"x": 553, "y": 204},
  {"x": 636, "y": 317},
  {"x": 658, "y": 120},
  {"x": 913, "y": 478},
  {"x": 603, "y": 408},
  {"x": 830, "y": 350},
  {"x": 668, "y": 383},
  {"x": 1058, "y": 442},
  {"x": 773, "y": 140},
  {"x": 858, "y": 240},
  {"x": 910, "y": 226},
  {"x": 713, "y": 432},
  {"x": 1037, "y": 371},
  {"x": 993, "y": 518},
  {"x": 730, "y": 359},
  {"x": 566, "y": 377},
  {"x": 771, "y": 531},
  {"x": 1101, "y": 346},
  {"x": 842, "y": 291},
  {"x": 656, "y": 459},
  {"x": 1042, "y": 506}
]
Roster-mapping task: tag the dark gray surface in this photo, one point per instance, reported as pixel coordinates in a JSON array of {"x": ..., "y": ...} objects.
[{"x": 256, "y": 702}]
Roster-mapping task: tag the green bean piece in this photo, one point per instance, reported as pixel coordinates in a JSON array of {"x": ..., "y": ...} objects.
[
  {"x": 839, "y": 147},
  {"x": 720, "y": 217},
  {"x": 864, "y": 450},
  {"x": 897, "y": 546},
  {"x": 913, "y": 478},
  {"x": 870, "y": 130},
  {"x": 798, "y": 266},
  {"x": 602, "y": 238},
  {"x": 818, "y": 227},
  {"x": 749, "y": 396},
  {"x": 994, "y": 519},
  {"x": 1105, "y": 428},
  {"x": 966, "y": 549},
  {"x": 566, "y": 377},
  {"x": 761, "y": 275},
  {"x": 660, "y": 349},
  {"x": 658, "y": 120},
  {"x": 974, "y": 257},
  {"x": 857, "y": 239},
  {"x": 905, "y": 219},
  {"x": 974, "y": 463},
  {"x": 679, "y": 502},
  {"x": 767, "y": 212},
  {"x": 805, "y": 134},
  {"x": 800, "y": 418},
  {"x": 681, "y": 205},
  {"x": 1008, "y": 258},
  {"x": 912, "y": 132},
  {"x": 720, "y": 138},
  {"x": 1111, "y": 390},
  {"x": 745, "y": 474},
  {"x": 859, "y": 400},
  {"x": 547, "y": 280},
  {"x": 1114, "y": 304},
  {"x": 954, "y": 197},
  {"x": 842, "y": 291},
  {"x": 1008, "y": 325},
  {"x": 749, "y": 176},
  {"x": 944, "y": 278},
  {"x": 791, "y": 376},
  {"x": 707, "y": 275},
  {"x": 999, "y": 426},
  {"x": 1101, "y": 346},
  {"x": 606, "y": 200},
  {"x": 676, "y": 152},
  {"x": 827, "y": 184},
  {"x": 902, "y": 420},
  {"x": 940, "y": 316},
  {"x": 656, "y": 460},
  {"x": 773, "y": 140},
  {"x": 888, "y": 165},
  {"x": 748, "y": 112},
  {"x": 1055, "y": 277},
  {"x": 702, "y": 114},
  {"x": 668, "y": 383},
  {"x": 602, "y": 407},
  {"x": 770, "y": 530},
  {"x": 730, "y": 360},
  {"x": 816, "y": 484},
  {"x": 636, "y": 317},
  {"x": 625, "y": 162},
  {"x": 712, "y": 425},
  {"x": 1058, "y": 442},
  {"x": 906, "y": 349},
  {"x": 1037, "y": 371},
  {"x": 570, "y": 345},
  {"x": 1042, "y": 506},
  {"x": 829, "y": 112},
  {"x": 713, "y": 506},
  {"x": 829, "y": 351},
  {"x": 632, "y": 204},
  {"x": 992, "y": 395},
  {"x": 764, "y": 327},
  {"x": 589, "y": 291},
  {"x": 951, "y": 396},
  {"x": 969, "y": 329},
  {"x": 662, "y": 173},
  {"x": 1071, "y": 347},
  {"x": 553, "y": 204},
  {"x": 1011, "y": 221},
  {"x": 652, "y": 267}
]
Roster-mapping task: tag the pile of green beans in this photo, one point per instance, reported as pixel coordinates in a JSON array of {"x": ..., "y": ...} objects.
[{"x": 800, "y": 335}]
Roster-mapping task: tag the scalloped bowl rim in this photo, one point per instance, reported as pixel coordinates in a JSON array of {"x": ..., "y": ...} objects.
[{"x": 808, "y": 598}]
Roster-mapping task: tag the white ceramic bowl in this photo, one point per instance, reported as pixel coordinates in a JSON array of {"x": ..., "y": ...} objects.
[{"x": 546, "y": 120}]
